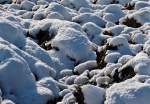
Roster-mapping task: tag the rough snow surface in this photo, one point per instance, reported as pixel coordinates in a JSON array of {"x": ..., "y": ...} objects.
[{"x": 74, "y": 51}]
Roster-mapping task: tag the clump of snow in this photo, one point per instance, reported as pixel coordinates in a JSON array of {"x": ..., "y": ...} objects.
[
  {"x": 6, "y": 101},
  {"x": 69, "y": 40},
  {"x": 113, "y": 13},
  {"x": 38, "y": 68},
  {"x": 130, "y": 91},
  {"x": 124, "y": 59},
  {"x": 66, "y": 72},
  {"x": 93, "y": 94},
  {"x": 70, "y": 80},
  {"x": 38, "y": 16},
  {"x": 137, "y": 18},
  {"x": 81, "y": 80},
  {"x": 116, "y": 30},
  {"x": 27, "y": 15},
  {"x": 104, "y": 2},
  {"x": 141, "y": 4},
  {"x": 121, "y": 43},
  {"x": 93, "y": 32},
  {"x": 55, "y": 7},
  {"x": 55, "y": 15},
  {"x": 64, "y": 92},
  {"x": 12, "y": 33},
  {"x": 75, "y": 5},
  {"x": 89, "y": 17},
  {"x": 60, "y": 61},
  {"x": 88, "y": 65},
  {"x": 74, "y": 51},
  {"x": 50, "y": 84},
  {"x": 68, "y": 98},
  {"x": 138, "y": 38},
  {"x": 85, "y": 10},
  {"x": 27, "y": 5},
  {"x": 112, "y": 57},
  {"x": 103, "y": 81},
  {"x": 32, "y": 48},
  {"x": 23, "y": 81},
  {"x": 142, "y": 69}
]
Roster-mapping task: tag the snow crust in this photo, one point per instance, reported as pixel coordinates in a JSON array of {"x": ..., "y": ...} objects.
[{"x": 74, "y": 51}]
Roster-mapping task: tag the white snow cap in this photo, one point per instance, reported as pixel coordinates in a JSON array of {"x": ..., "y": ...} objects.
[
  {"x": 93, "y": 94},
  {"x": 131, "y": 91},
  {"x": 12, "y": 33},
  {"x": 74, "y": 44}
]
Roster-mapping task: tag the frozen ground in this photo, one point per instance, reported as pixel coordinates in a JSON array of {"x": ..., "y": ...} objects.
[{"x": 74, "y": 52}]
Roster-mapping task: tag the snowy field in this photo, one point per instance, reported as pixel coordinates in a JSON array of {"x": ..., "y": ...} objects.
[{"x": 74, "y": 51}]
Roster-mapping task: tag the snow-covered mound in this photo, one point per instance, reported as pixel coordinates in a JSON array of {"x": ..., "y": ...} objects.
[
  {"x": 131, "y": 91},
  {"x": 74, "y": 51}
]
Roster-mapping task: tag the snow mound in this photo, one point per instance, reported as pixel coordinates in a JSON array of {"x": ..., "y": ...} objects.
[
  {"x": 69, "y": 40},
  {"x": 89, "y": 17},
  {"x": 93, "y": 94},
  {"x": 131, "y": 91},
  {"x": 74, "y": 51},
  {"x": 113, "y": 13},
  {"x": 12, "y": 33},
  {"x": 75, "y": 5}
]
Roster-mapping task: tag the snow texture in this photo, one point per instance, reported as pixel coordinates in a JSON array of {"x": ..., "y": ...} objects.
[{"x": 74, "y": 51}]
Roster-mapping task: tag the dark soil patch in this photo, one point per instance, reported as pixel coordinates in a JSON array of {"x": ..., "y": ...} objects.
[
  {"x": 131, "y": 22},
  {"x": 79, "y": 95},
  {"x": 108, "y": 33},
  {"x": 129, "y": 6}
]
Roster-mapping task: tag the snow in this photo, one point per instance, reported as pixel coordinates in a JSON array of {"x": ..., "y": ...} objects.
[
  {"x": 93, "y": 32},
  {"x": 60, "y": 61},
  {"x": 142, "y": 69},
  {"x": 70, "y": 80},
  {"x": 113, "y": 13},
  {"x": 68, "y": 98},
  {"x": 55, "y": 7},
  {"x": 75, "y": 5},
  {"x": 139, "y": 38},
  {"x": 50, "y": 84},
  {"x": 69, "y": 40},
  {"x": 121, "y": 43},
  {"x": 141, "y": 4},
  {"x": 12, "y": 33},
  {"x": 36, "y": 66},
  {"x": 124, "y": 59},
  {"x": 140, "y": 57},
  {"x": 116, "y": 30},
  {"x": 141, "y": 16},
  {"x": 103, "y": 81},
  {"x": 112, "y": 57},
  {"x": 13, "y": 85},
  {"x": 88, "y": 65},
  {"x": 130, "y": 91},
  {"x": 8, "y": 59},
  {"x": 27, "y": 5},
  {"x": 74, "y": 51},
  {"x": 66, "y": 72},
  {"x": 85, "y": 10},
  {"x": 33, "y": 49},
  {"x": 7, "y": 102},
  {"x": 93, "y": 94},
  {"x": 55, "y": 15},
  {"x": 81, "y": 80},
  {"x": 64, "y": 92},
  {"x": 89, "y": 17}
]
